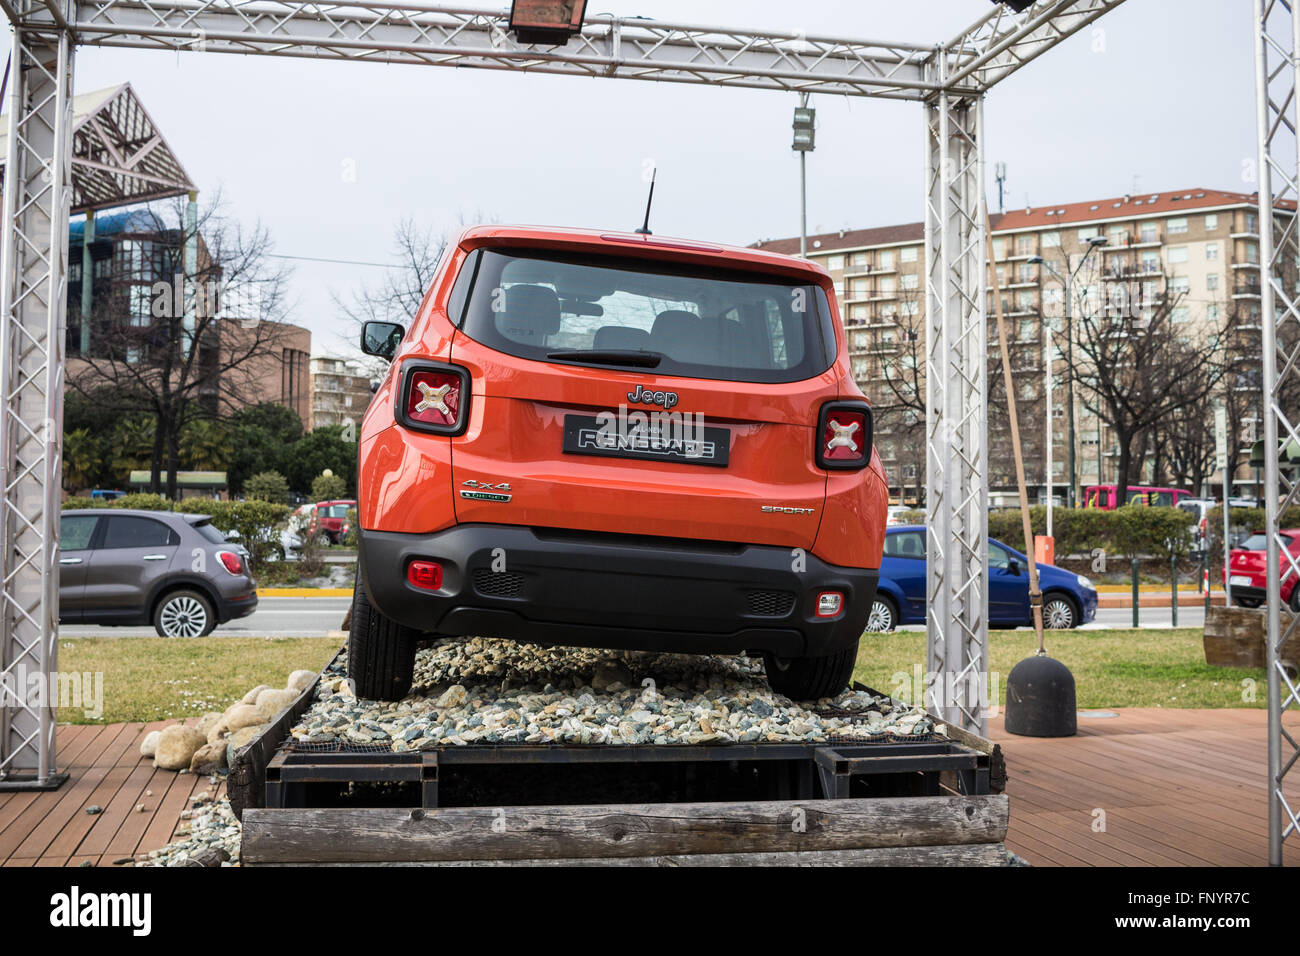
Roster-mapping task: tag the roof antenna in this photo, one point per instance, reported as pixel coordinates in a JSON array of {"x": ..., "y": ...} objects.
[{"x": 645, "y": 226}]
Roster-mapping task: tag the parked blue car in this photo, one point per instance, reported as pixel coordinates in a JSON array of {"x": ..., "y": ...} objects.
[{"x": 1069, "y": 599}]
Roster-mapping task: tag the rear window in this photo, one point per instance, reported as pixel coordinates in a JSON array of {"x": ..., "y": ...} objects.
[
  {"x": 702, "y": 323},
  {"x": 209, "y": 533},
  {"x": 905, "y": 544},
  {"x": 126, "y": 531},
  {"x": 1259, "y": 542}
]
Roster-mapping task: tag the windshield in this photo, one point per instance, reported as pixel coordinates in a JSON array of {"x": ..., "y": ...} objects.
[
  {"x": 1259, "y": 541},
  {"x": 698, "y": 323}
]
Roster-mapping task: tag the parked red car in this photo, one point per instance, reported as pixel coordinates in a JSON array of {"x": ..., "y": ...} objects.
[
  {"x": 1245, "y": 571},
  {"x": 331, "y": 518}
]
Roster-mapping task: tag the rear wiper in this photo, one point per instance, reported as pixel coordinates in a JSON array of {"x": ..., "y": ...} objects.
[{"x": 634, "y": 357}]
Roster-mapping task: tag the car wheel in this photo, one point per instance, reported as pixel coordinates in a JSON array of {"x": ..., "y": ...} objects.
[
  {"x": 1294, "y": 603},
  {"x": 381, "y": 652},
  {"x": 811, "y": 678},
  {"x": 1060, "y": 613},
  {"x": 324, "y": 540},
  {"x": 184, "y": 614},
  {"x": 1247, "y": 602},
  {"x": 883, "y": 615}
]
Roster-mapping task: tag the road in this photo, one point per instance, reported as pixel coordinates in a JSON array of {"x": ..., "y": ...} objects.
[
  {"x": 274, "y": 617},
  {"x": 316, "y": 617}
]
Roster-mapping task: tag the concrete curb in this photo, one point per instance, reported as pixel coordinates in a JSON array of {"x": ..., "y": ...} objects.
[{"x": 303, "y": 592}]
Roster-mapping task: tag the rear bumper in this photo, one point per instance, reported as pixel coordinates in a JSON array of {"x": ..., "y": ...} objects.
[
  {"x": 619, "y": 591},
  {"x": 230, "y": 608},
  {"x": 1249, "y": 593}
]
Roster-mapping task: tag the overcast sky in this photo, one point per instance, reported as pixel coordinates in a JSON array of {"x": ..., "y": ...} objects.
[{"x": 1156, "y": 94}]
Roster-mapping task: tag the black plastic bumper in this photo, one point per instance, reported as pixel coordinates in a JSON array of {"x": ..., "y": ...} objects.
[
  {"x": 618, "y": 591},
  {"x": 230, "y": 610}
]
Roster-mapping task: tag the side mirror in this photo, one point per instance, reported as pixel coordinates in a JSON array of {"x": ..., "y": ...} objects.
[
  {"x": 381, "y": 338},
  {"x": 1013, "y": 566}
]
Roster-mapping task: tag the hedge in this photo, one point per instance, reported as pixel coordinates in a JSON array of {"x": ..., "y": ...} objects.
[
  {"x": 257, "y": 522},
  {"x": 1131, "y": 531}
]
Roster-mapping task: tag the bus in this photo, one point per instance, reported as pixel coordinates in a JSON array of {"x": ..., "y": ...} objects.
[{"x": 1106, "y": 497}]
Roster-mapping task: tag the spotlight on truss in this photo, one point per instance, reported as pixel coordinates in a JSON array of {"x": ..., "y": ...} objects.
[{"x": 549, "y": 22}]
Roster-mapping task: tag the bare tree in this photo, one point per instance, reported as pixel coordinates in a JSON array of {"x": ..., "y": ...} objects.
[
  {"x": 1138, "y": 363},
  {"x": 180, "y": 348},
  {"x": 899, "y": 409}
]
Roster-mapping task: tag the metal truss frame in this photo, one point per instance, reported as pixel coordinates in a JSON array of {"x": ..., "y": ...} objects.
[
  {"x": 956, "y": 434},
  {"x": 949, "y": 80},
  {"x": 1277, "y": 61},
  {"x": 33, "y": 301}
]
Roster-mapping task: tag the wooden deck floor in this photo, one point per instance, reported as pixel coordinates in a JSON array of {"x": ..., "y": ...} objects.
[
  {"x": 106, "y": 769},
  {"x": 1178, "y": 787}
]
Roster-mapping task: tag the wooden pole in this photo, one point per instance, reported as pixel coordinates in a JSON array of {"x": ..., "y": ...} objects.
[{"x": 1035, "y": 594}]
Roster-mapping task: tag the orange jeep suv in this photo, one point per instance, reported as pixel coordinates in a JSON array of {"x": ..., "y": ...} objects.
[{"x": 618, "y": 440}]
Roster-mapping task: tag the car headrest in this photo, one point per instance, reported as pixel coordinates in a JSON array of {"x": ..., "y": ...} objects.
[
  {"x": 675, "y": 333},
  {"x": 531, "y": 312},
  {"x": 620, "y": 337}
]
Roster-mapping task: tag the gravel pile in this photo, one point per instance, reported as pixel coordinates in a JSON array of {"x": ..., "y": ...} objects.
[
  {"x": 212, "y": 838},
  {"x": 482, "y": 690}
]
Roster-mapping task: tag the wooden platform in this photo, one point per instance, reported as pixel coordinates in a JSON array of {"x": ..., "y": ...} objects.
[
  {"x": 106, "y": 769},
  {"x": 1178, "y": 788}
]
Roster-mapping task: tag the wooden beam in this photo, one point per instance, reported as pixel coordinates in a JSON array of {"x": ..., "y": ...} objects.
[
  {"x": 634, "y": 830},
  {"x": 975, "y": 854}
]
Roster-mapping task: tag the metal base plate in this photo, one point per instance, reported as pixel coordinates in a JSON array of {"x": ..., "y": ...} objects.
[{"x": 52, "y": 782}]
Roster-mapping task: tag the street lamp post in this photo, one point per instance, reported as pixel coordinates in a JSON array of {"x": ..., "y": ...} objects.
[
  {"x": 1067, "y": 288},
  {"x": 804, "y": 141}
]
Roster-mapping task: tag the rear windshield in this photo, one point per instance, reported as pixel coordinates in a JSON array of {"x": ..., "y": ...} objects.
[
  {"x": 701, "y": 323},
  {"x": 1259, "y": 542},
  {"x": 209, "y": 532}
]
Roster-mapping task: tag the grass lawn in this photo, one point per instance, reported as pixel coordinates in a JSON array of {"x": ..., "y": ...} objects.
[
  {"x": 152, "y": 678},
  {"x": 1112, "y": 668},
  {"x": 157, "y": 678}
]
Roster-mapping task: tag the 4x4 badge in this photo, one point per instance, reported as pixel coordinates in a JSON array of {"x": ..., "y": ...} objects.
[{"x": 486, "y": 490}]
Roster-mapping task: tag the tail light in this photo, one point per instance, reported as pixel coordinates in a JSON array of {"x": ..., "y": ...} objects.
[
  {"x": 844, "y": 435},
  {"x": 232, "y": 562},
  {"x": 434, "y": 397},
  {"x": 425, "y": 574}
]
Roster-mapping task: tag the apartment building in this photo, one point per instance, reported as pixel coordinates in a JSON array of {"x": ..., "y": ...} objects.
[
  {"x": 340, "y": 390},
  {"x": 1199, "y": 248}
]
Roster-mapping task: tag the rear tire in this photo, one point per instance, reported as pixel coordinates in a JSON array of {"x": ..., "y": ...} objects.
[
  {"x": 184, "y": 613},
  {"x": 381, "y": 652},
  {"x": 811, "y": 678},
  {"x": 884, "y": 616}
]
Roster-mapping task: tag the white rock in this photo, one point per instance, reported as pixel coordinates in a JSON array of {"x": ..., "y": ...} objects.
[
  {"x": 176, "y": 747},
  {"x": 251, "y": 696},
  {"x": 149, "y": 746}
]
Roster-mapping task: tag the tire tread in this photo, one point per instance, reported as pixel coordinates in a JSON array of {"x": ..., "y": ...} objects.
[{"x": 381, "y": 652}]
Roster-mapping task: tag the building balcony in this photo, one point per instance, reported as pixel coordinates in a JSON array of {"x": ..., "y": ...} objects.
[{"x": 1131, "y": 272}]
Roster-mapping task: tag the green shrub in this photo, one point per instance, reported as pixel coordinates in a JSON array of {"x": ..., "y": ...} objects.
[
  {"x": 328, "y": 488},
  {"x": 267, "y": 486},
  {"x": 1129, "y": 531},
  {"x": 82, "y": 502},
  {"x": 350, "y": 539}
]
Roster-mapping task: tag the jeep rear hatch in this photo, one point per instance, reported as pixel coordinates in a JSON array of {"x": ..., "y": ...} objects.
[{"x": 626, "y": 394}]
